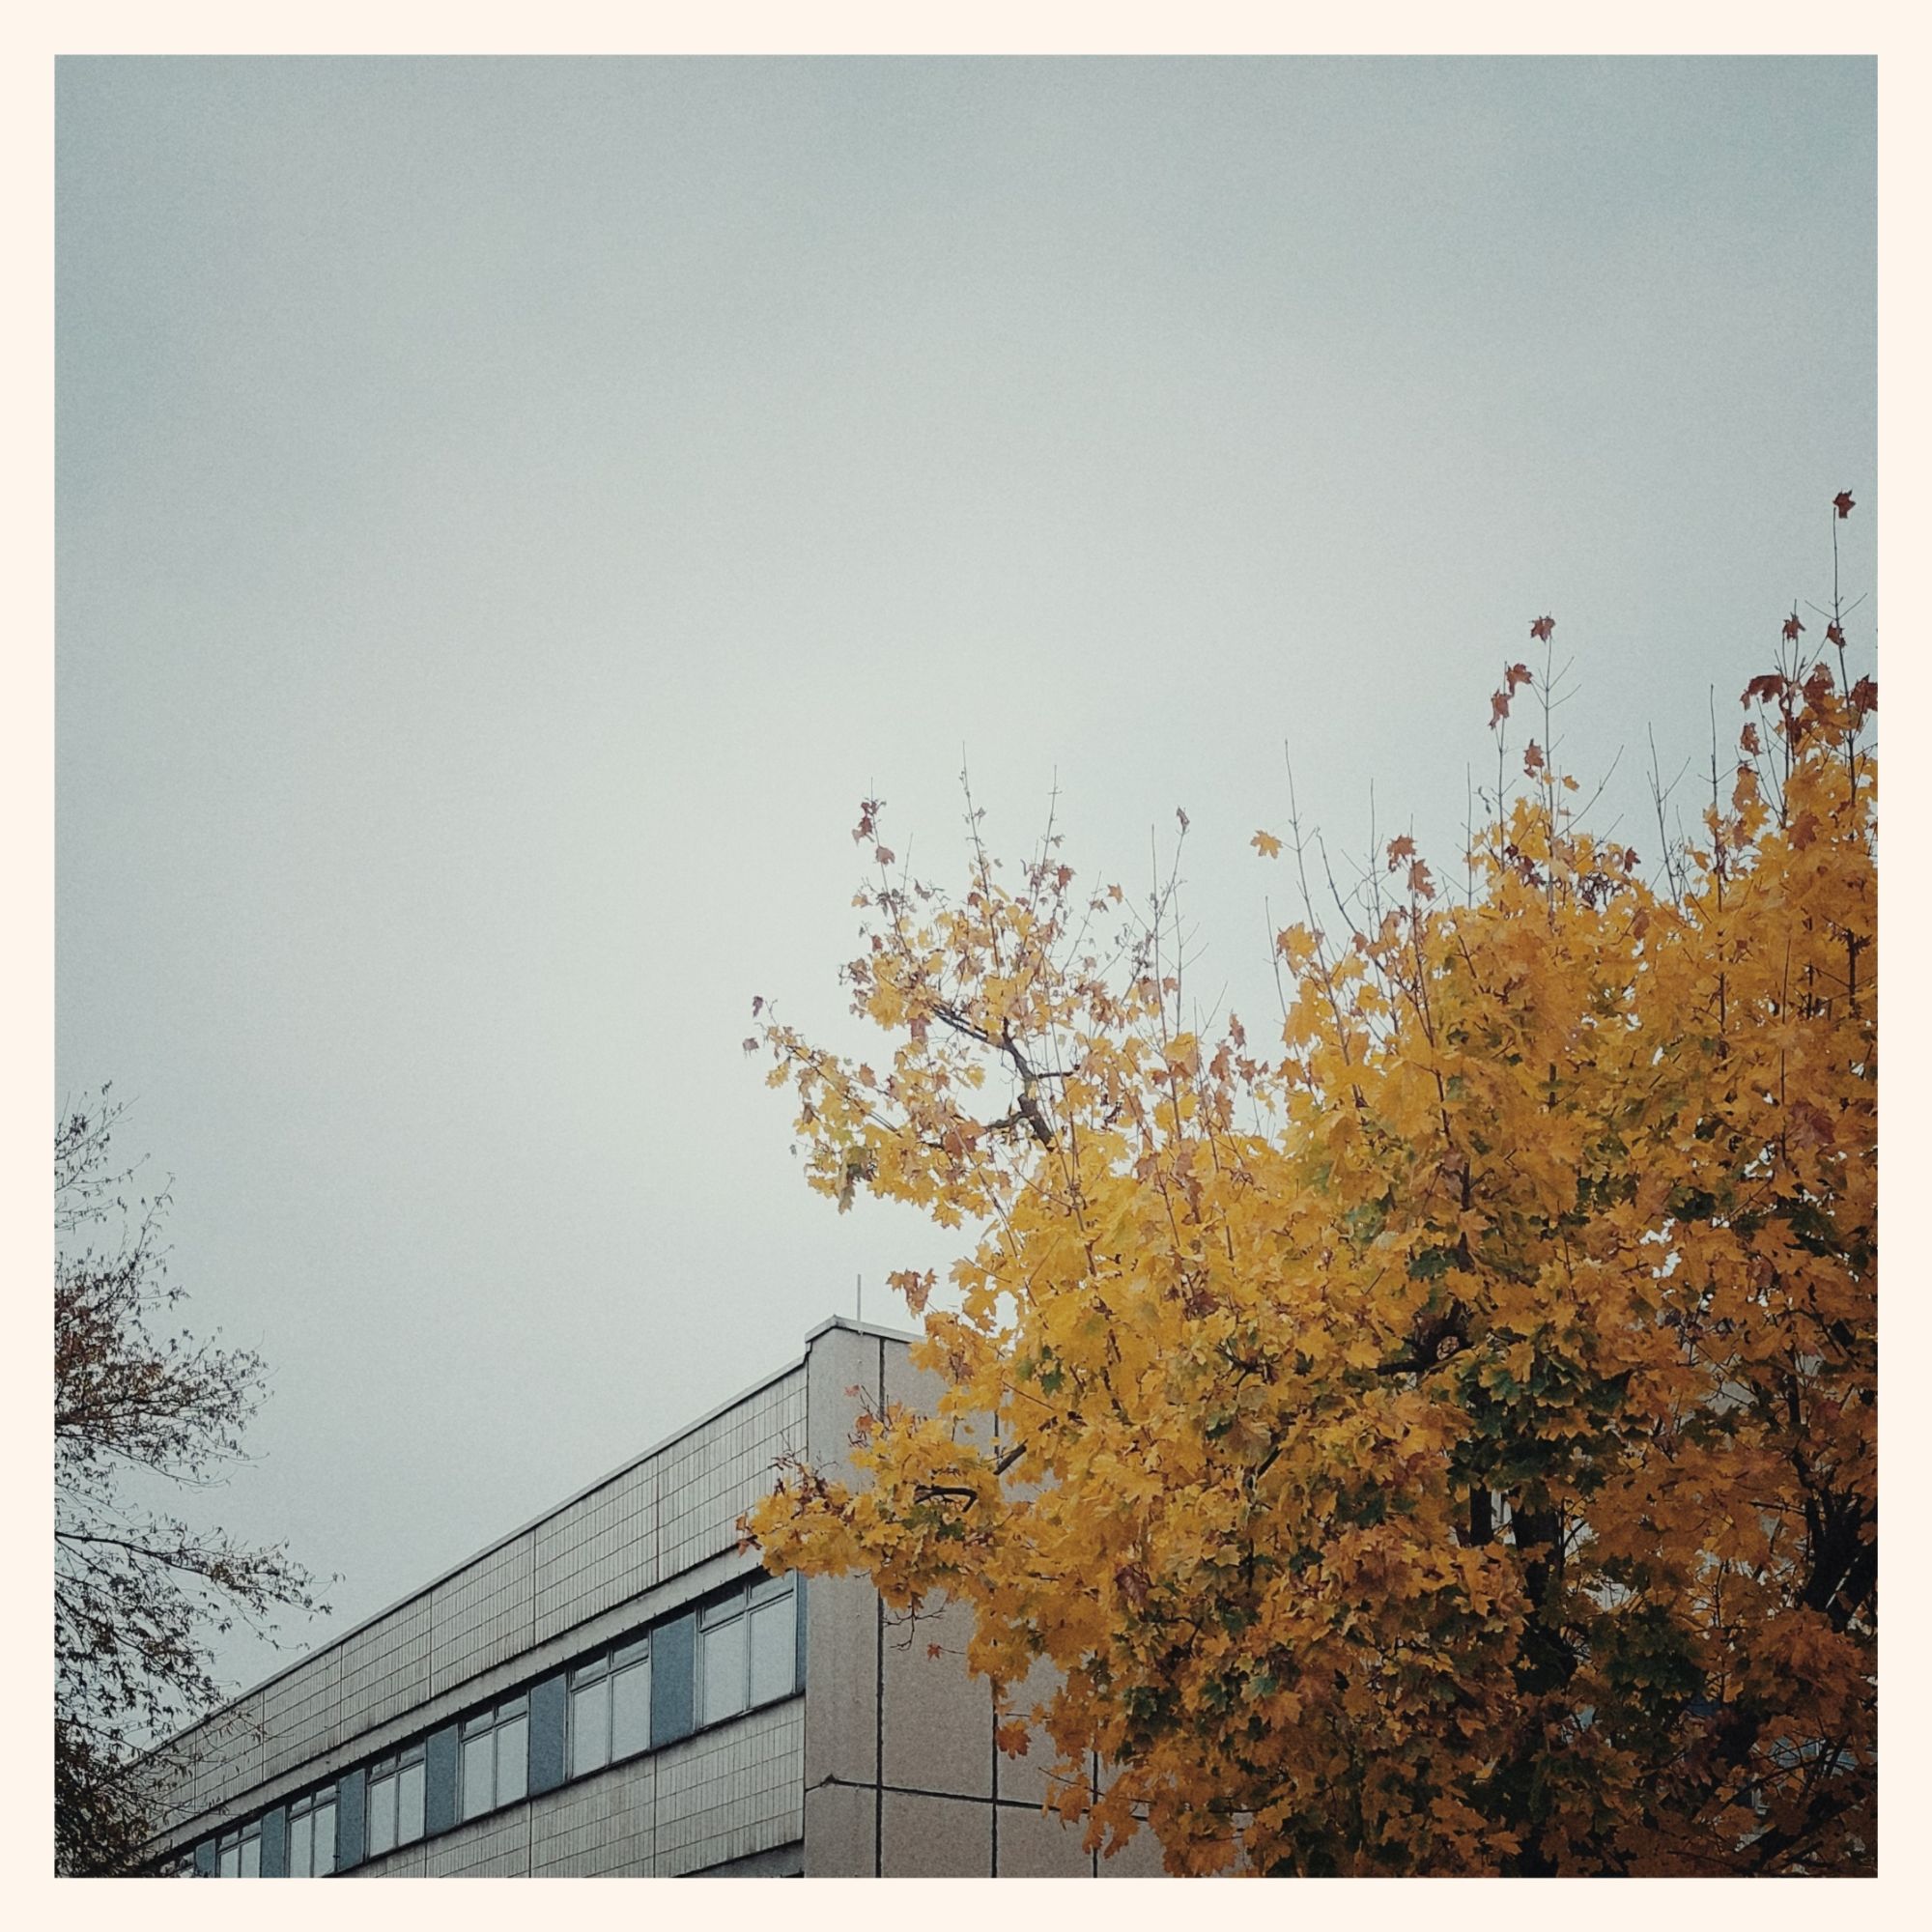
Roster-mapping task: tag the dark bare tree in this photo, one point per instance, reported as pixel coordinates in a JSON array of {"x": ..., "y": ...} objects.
[{"x": 138, "y": 1593}]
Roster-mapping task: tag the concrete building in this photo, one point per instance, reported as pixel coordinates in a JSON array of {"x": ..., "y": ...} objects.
[{"x": 615, "y": 1689}]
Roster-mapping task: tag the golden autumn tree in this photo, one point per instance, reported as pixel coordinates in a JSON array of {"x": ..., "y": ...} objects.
[{"x": 1442, "y": 1439}]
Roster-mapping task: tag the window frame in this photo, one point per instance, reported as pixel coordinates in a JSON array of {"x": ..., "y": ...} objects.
[
  {"x": 389, "y": 1771},
  {"x": 628, "y": 1655},
  {"x": 492, "y": 1723},
  {"x": 241, "y": 1839},
  {"x": 310, "y": 1806},
  {"x": 727, "y": 1614}
]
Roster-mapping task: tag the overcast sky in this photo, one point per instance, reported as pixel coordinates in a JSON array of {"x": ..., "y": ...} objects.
[{"x": 511, "y": 511}]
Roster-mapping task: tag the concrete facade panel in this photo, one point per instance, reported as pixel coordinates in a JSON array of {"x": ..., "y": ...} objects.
[
  {"x": 937, "y": 1837},
  {"x": 839, "y": 1830},
  {"x": 939, "y": 1719},
  {"x": 842, "y": 1374},
  {"x": 1034, "y": 1844},
  {"x": 842, "y": 1651}
]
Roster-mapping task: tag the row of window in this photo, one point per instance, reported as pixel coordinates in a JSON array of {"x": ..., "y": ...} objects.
[{"x": 747, "y": 1648}]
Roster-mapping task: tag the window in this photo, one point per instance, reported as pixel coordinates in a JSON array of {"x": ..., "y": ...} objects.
[
  {"x": 312, "y": 1834},
  {"x": 239, "y": 1853},
  {"x": 396, "y": 1801},
  {"x": 747, "y": 1648},
  {"x": 611, "y": 1707},
  {"x": 496, "y": 1760}
]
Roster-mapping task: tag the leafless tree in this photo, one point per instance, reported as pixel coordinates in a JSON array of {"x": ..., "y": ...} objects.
[{"x": 138, "y": 1593}]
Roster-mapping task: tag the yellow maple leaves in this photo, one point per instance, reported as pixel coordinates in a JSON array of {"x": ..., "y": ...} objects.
[{"x": 1449, "y": 1443}]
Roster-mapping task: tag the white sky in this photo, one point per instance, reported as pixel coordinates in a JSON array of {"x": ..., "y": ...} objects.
[{"x": 510, "y": 512}]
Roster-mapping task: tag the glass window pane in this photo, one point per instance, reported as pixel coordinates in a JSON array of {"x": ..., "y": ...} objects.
[
  {"x": 774, "y": 1650},
  {"x": 715, "y": 1615},
  {"x": 324, "y": 1839},
  {"x": 513, "y": 1759},
  {"x": 590, "y": 1727},
  {"x": 724, "y": 1670},
  {"x": 631, "y": 1710},
  {"x": 512, "y": 1707},
  {"x": 251, "y": 1856},
  {"x": 478, "y": 1779},
  {"x": 381, "y": 1814},
  {"x": 410, "y": 1801},
  {"x": 301, "y": 1845},
  {"x": 231, "y": 1862},
  {"x": 765, "y": 1588},
  {"x": 634, "y": 1653}
]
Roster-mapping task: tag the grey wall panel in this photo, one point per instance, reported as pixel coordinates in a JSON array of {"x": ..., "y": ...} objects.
[
  {"x": 440, "y": 1781},
  {"x": 673, "y": 1679},
  {"x": 798, "y": 1661},
  {"x": 275, "y": 1843},
  {"x": 352, "y": 1808},
  {"x": 547, "y": 1734},
  {"x": 205, "y": 1859}
]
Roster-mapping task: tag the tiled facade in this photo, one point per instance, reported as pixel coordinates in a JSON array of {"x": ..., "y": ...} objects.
[{"x": 862, "y": 1755}]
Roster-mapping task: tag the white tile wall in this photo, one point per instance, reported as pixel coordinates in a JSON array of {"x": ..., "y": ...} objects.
[
  {"x": 498, "y": 1846},
  {"x": 598, "y": 1550},
  {"x": 484, "y": 1614},
  {"x": 603, "y": 1828},
  {"x": 724, "y": 1794},
  {"x": 711, "y": 1477},
  {"x": 384, "y": 1669}
]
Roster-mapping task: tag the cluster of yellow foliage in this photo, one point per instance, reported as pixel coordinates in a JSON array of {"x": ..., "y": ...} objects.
[{"x": 1447, "y": 1443}]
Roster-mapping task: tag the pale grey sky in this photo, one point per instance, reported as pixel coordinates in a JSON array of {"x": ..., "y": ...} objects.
[{"x": 510, "y": 511}]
